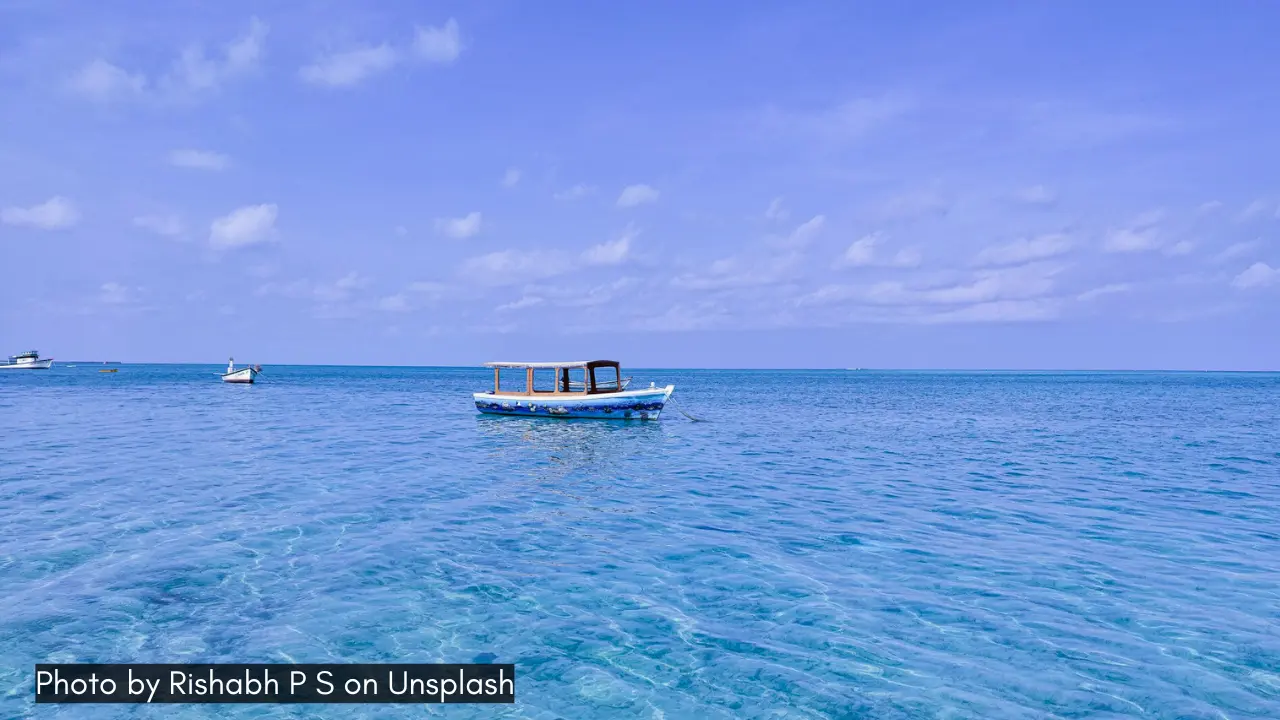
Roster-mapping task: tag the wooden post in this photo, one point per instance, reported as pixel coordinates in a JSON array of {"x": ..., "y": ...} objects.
[
  {"x": 528, "y": 377},
  {"x": 497, "y": 386}
]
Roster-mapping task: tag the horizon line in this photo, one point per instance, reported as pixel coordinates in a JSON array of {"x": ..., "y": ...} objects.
[{"x": 480, "y": 366}]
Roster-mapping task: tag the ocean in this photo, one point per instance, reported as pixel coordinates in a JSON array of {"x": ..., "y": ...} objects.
[{"x": 826, "y": 544}]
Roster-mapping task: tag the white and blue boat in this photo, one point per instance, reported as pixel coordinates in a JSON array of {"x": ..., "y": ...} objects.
[
  {"x": 29, "y": 360},
  {"x": 245, "y": 375},
  {"x": 581, "y": 389}
]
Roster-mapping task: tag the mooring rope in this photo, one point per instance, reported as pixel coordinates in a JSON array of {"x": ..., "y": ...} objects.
[{"x": 682, "y": 412}]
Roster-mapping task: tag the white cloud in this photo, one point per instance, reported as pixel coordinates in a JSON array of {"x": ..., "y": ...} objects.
[
  {"x": 103, "y": 82},
  {"x": 1258, "y": 274},
  {"x": 167, "y": 225},
  {"x": 610, "y": 253},
  {"x": 1141, "y": 235},
  {"x": 1024, "y": 250},
  {"x": 433, "y": 289},
  {"x": 113, "y": 293},
  {"x": 1037, "y": 195},
  {"x": 244, "y": 226},
  {"x": 461, "y": 228},
  {"x": 394, "y": 303},
  {"x": 1182, "y": 247},
  {"x": 1070, "y": 125},
  {"x": 776, "y": 210},
  {"x": 413, "y": 297},
  {"x": 1258, "y": 208},
  {"x": 742, "y": 272},
  {"x": 199, "y": 159},
  {"x": 576, "y": 297},
  {"x": 1127, "y": 241},
  {"x": 575, "y": 192},
  {"x": 1104, "y": 290},
  {"x": 990, "y": 285},
  {"x": 507, "y": 267},
  {"x": 349, "y": 68},
  {"x": 511, "y": 178},
  {"x": 683, "y": 318},
  {"x": 524, "y": 302},
  {"x": 634, "y": 195},
  {"x": 861, "y": 252},
  {"x": 341, "y": 287},
  {"x": 1005, "y": 284},
  {"x": 194, "y": 72},
  {"x": 53, "y": 214},
  {"x": 324, "y": 293},
  {"x": 1210, "y": 206},
  {"x": 997, "y": 311},
  {"x": 845, "y": 123},
  {"x": 805, "y": 232},
  {"x": 439, "y": 44},
  {"x": 907, "y": 258},
  {"x": 243, "y": 53},
  {"x": 1236, "y": 250}
]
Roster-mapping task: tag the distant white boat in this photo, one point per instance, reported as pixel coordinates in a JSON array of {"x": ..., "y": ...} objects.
[
  {"x": 29, "y": 360},
  {"x": 244, "y": 375}
]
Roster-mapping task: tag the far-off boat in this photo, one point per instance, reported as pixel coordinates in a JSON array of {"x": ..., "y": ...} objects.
[
  {"x": 583, "y": 389},
  {"x": 29, "y": 360},
  {"x": 244, "y": 375}
]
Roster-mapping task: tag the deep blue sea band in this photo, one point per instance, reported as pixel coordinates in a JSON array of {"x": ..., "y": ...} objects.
[{"x": 275, "y": 683}]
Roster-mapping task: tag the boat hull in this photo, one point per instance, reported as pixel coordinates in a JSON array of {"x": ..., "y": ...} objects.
[
  {"x": 36, "y": 365},
  {"x": 242, "y": 377},
  {"x": 630, "y": 405}
]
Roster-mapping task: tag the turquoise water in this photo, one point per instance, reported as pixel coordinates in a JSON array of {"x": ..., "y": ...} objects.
[{"x": 827, "y": 544}]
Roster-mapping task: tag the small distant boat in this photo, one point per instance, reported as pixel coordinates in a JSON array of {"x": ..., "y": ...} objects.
[
  {"x": 71, "y": 366},
  {"x": 600, "y": 393},
  {"x": 110, "y": 370},
  {"x": 244, "y": 375},
  {"x": 29, "y": 360}
]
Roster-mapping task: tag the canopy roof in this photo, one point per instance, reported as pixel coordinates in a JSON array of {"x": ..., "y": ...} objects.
[{"x": 573, "y": 364}]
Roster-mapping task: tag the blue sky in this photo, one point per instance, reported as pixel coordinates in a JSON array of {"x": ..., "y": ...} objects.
[{"x": 798, "y": 184}]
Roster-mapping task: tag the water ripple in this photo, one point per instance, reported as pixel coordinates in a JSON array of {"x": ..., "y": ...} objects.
[{"x": 828, "y": 545}]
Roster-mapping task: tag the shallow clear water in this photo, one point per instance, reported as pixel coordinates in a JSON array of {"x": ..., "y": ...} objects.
[{"x": 827, "y": 544}]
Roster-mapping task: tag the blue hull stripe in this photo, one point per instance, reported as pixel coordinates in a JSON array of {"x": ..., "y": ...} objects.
[{"x": 644, "y": 407}]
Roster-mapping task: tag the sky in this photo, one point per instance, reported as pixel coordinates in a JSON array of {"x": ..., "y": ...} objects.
[{"x": 1007, "y": 185}]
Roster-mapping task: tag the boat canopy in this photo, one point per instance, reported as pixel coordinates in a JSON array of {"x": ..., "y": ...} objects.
[
  {"x": 573, "y": 364},
  {"x": 588, "y": 384}
]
